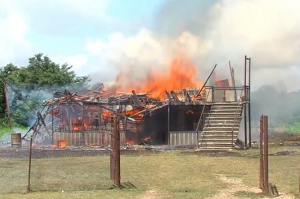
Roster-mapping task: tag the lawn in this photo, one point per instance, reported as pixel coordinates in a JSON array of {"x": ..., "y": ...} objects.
[
  {"x": 166, "y": 174},
  {"x": 6, "y": 131}
]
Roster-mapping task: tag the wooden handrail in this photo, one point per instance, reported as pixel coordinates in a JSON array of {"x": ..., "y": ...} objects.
[
  {"x": 235, "y": 117},
  {"x": 201, "y": 116}
]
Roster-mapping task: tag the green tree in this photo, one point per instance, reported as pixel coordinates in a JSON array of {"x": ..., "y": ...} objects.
[
  {"x": 6, "y": 74},
  {"x": 30, "y": 84}
]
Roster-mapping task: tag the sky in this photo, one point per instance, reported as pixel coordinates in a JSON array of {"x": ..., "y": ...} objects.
[{"x": 100, "y": 38}]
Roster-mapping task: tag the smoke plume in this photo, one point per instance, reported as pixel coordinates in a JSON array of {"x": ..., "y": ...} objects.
[{"x": 211, "y": 32}]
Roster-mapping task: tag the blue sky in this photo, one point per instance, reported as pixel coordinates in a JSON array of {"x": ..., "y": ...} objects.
[
  {"x": 62, "y": 27},
  {"x": 103, "y": 38},
  {"x": 125, "y": 16}
]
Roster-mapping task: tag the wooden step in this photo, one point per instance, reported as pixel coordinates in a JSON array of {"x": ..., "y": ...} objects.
[
  {"x": 221, "y": 128},
  {"x": 213, "y": 148},
  {"x": 223, "y": 118},
  {"x": 215, "y": 145},
  {"x": 217, "y": 140},
  {"x": 219, "y": 132},
  {"x": 223, "y": 122},
  {"x": 234, "y": 110},
  {"x": 227, "y": 124},
  {"x": 226, "y": 103},
  {"x": 227, "y": 115},
  {"x": 217, "y": 136}
]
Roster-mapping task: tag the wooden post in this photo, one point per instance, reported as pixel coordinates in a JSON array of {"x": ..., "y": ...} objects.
[
  {"x": 266, "y": 187},
  {"x": 261, "y": 179},
  {"x": 249, "y": 101},
  {"x": 29, "y": 166},
  {"x": 266, "y": 161},
  {"x": 115, "y": 153}
]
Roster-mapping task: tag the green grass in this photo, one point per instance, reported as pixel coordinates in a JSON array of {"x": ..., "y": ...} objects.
[
  {"x": 7, "y": 131},
  {"x": 293, "y": 128},
  {"x": 245, "y": 194},
  {"x": 169, "y": 174},
  {"x": 4, "y": 130}
]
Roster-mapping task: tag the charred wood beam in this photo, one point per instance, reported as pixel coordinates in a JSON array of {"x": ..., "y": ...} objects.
[
  {"x": 117, "y": 113},
  {"x": 146, "y": 111},
  {"x": 136, "y": 100},
  {"x": 127, "y": 102},
  {"x": 232, "y": 80},
  {"x": 169, "y": 97},
  {"x": 187, "y": 97},
  {"x": 206, "y": 81},
  {"x": 177, "y": 101},
  {"x": 155, "y": 108}
]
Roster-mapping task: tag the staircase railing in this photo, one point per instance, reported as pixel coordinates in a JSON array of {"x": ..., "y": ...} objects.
[
  {"x": 234, "y": 121},
  {"x": 201, "y": 117}
]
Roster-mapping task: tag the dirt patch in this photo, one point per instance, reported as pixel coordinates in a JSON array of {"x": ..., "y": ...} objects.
[
  {"x": 276, "y": 136},
  {"x": 285, "y": 153},
  {"x": 56, "y": 153},
  {"x": 213, "y": 153},
  {"x": 152, "y": 194},
  {"x": 237, "y": 187}
]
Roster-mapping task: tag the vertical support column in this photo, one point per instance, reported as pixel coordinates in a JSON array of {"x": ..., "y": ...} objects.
[
  {"x": 52, "y": 120},
  {"x": 245, "y": 101},
  {"x": 212, "y": 94},
  {"x": 115, "y": 153},
  {"x": 249, "y": 100},
  {"x": 169, "y": 124},
  {"x": 125, "y": 126},
  {"x": 82, "y": 127},
  {"x": 112, "y": 155}
]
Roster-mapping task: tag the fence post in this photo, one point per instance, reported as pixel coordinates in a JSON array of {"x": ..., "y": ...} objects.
[
  {"x": 266, "y": 161},
  {"x": 29, "y": 166},
  {"x": 261, "y": 179},
  {"x": 115, "y": 152},
  {"x": 268, "y": 188}
]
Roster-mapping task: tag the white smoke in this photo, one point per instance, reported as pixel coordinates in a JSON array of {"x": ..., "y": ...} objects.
[{"x": 211, "y": 33}]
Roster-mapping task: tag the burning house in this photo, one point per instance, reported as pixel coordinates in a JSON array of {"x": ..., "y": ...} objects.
[{"x": 206, "y": 116}]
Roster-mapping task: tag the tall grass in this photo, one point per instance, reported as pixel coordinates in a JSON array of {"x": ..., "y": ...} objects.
[
  {"x": 6, "y": 131},
  {"x": 292, "y": 127}
]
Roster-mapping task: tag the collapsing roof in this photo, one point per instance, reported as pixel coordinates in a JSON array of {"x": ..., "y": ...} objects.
[{"x": 91, "y": 112}]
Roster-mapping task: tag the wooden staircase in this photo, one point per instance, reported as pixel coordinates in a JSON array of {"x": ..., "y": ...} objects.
[{"x": 221, "y": 126}]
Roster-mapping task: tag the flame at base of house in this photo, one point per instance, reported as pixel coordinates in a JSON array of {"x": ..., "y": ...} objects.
[{"x": 62, "y": 143}]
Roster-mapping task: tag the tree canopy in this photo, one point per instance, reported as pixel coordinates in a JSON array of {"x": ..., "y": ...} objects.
[{"x": 29, "y": 84}]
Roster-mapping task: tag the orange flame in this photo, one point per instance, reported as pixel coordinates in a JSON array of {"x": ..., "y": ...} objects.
[
  {"x": 146, "y": 139},
  {"x": 180, "y": 74},
  {"x": 189, "y": 112},
  {"x": 132, "y": 142},
  {"x": 62, "y": 143}
]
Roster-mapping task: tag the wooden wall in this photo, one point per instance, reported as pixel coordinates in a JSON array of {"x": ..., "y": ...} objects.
[
  {"x": 183, "y": 138},
  {"x": 88, "y": 138}
]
